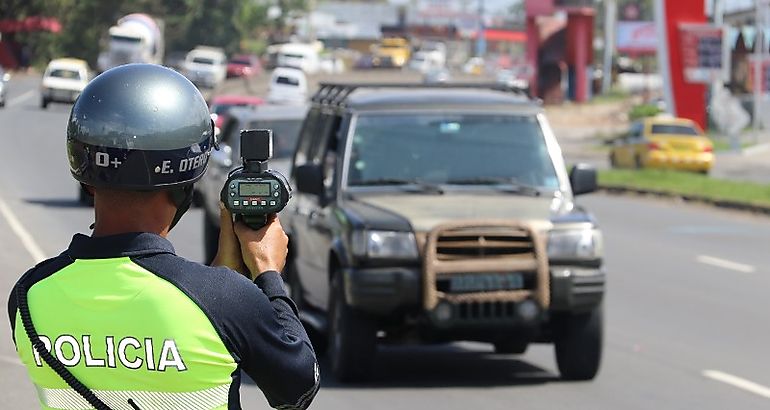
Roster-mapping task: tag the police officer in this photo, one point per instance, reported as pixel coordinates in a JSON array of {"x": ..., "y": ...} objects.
[{"x": 120, "y": 321}]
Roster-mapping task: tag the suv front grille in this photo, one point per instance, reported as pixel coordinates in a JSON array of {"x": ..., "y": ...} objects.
[
  {"x": 475, "y": 243},
  {"x": 484, "y": 265}
]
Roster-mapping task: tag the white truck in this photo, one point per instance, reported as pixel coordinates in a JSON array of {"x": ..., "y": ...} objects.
[{"x": 137, "y": 38}]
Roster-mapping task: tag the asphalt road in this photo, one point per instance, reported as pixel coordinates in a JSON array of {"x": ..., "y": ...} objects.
[{"x": 686, "y": 313}]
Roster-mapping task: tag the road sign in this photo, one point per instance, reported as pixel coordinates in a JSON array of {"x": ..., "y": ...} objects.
[{"x": 701, "y": 52}]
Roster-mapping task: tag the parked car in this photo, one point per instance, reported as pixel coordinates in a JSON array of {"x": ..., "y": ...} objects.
[
  {"x": 287, "y": 86},
  {"x": 391, "y": 52},
  {"x": 664, "y": 142},
  {"x": 4, "y": 78},
  {"x": 285, "y": 121},
  {"x": 515, "y": 77},
  {"x": 299, "y": 55},
  {"x": 205, "y": 66},
  {"x": 243, "y": 65},
  {"x": 475, "y": 66},
  {"x": 63, "y": 81},
  {"x": 436, "y": 76},
  {"x": 439, "y": 213},
  {"x": 431, "y": 55}
]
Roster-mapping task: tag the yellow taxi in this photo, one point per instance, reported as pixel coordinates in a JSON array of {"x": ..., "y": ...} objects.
[
  {"x": 663, "y": 142},
  {"x": 391, "y": 52}
]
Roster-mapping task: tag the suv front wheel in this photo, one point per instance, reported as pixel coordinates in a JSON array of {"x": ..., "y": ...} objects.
[
  {"x": 578, "y": 344},
  {"x": 352, "y": 337}
]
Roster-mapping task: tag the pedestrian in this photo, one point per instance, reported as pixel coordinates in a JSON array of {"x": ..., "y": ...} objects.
[{"x": 120, "y": 321}]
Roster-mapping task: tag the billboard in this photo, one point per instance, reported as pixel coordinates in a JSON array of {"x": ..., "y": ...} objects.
[
  {"x": 701, "y": 46},
  {"x": 636, "y": 37}
]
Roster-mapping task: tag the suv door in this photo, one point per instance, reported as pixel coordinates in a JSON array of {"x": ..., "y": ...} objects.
[{"x": 313, "y": 223}]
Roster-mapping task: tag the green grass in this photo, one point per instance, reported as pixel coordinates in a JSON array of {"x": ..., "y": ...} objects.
[
  {"x": 683, "y": 183},
  {"x": 723, "y": 145},
  {"x": 643, "y": 110}
]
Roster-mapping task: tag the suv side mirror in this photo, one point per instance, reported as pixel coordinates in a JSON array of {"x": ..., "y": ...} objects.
[
  {"x": 310, "y": 179},
  {"x": 582, "y": 177}
]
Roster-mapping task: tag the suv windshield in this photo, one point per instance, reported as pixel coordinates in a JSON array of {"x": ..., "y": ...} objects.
[{"x": 448, "y": 148}]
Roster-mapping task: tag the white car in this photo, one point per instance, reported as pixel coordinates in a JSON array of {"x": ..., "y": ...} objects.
[
  {"x": 287, "y": 86},
  {"x": 63, "y": 81},
  {"x": 205, "y": 66},
  {"x": 299, "y": 55}
]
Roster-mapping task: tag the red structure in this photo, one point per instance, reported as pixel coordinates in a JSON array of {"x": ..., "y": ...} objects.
[
  {"x": 689, "y": 98},
  {"x": 559, "y": 49},
  {"x": 10, "y": 50}
]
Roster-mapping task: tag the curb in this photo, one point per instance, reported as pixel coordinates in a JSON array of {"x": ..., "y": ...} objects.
[{"x": 719, "y": 203}]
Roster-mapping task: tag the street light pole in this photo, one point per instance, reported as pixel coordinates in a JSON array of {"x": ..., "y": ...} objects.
[
  {"x": 481, "y": 41},
  {"x": 610, "y": 15},
  {"x": 759, "y": 55}
]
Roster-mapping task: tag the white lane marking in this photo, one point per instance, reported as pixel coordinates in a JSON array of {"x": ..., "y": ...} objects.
[
  {"x": 738, "y": 382},
  {"x": 21, "y": 98},
  {"x": 723, "y": 263},
  {"x": 26, "y": 239},
  {"x": 11, "y": 360}
]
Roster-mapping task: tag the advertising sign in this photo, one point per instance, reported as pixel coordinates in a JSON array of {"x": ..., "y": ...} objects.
[
  {"x": 764, "y": 73},
  {"x": 637, "y": 37},
  {"x": 701, "y": 46}
]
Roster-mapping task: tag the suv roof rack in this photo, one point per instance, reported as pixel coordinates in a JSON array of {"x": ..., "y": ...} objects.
[{"x": 336, "y": 93}]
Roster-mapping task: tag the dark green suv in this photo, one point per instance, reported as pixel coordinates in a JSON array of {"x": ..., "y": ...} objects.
[{"x": 441, "y": 213}]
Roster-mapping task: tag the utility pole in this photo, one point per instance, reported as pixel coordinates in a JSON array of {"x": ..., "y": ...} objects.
[
  {"x": 610, "y": 16},
  {"x": 481, "y": 40},
  {"x": 759, "y": 57}
]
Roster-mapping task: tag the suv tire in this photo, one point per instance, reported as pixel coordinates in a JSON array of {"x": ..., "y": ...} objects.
[
  {"x": 352, "y": 337},
  {"x": 44, "y": 103},
  {"x": 578, "y": 344},
  {"x": 210, "y": 239}
]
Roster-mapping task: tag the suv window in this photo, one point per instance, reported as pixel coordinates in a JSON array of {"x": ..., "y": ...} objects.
[
  {"x": 308, "y": 135},
  {"x": 285, "y": 134},
  {"x": 446, "y": 147}
]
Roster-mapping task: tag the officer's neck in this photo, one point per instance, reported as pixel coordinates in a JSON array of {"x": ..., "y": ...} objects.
[{"x": 125, "y": 213}]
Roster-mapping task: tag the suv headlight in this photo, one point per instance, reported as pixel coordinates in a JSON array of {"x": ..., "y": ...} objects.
[
  {"x": 384, "y": 244},
  {"x": 578, "y": 244}
]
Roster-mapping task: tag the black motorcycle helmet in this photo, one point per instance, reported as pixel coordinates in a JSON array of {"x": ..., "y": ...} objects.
[{"x": 141, "y": 127}]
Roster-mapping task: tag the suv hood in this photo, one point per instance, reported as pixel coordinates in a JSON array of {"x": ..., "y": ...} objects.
[{"x": 425, "y": 212}]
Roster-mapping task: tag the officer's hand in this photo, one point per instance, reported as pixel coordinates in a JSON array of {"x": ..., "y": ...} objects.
[
  {"x": 264, "y": 249},
  {"x": 229, "y": 252}
]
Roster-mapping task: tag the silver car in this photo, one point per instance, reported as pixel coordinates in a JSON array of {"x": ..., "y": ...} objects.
[{"x": 284, "y": 120}]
